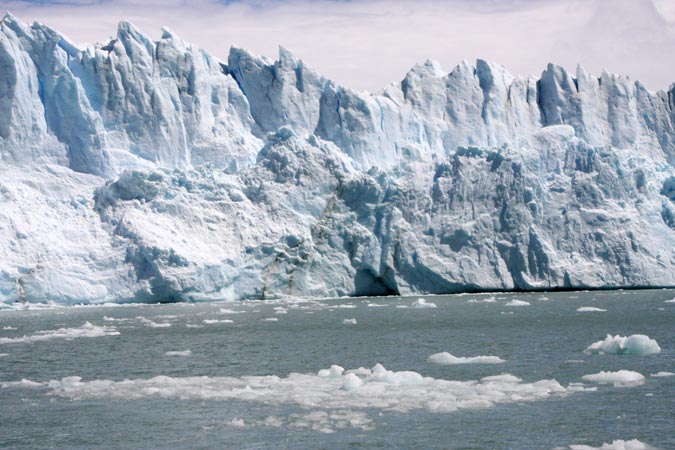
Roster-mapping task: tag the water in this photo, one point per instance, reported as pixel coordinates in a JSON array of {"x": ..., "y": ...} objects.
[{"x": 545, "y": 340}]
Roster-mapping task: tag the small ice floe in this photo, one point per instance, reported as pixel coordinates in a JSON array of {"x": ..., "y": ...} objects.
[
  {"x": 402, "y": 306},
  {"x": 23, "y": 383},
  {"x": 114, "y": 319},
  {"x": 3, "y": 354},
  {"x": 516, "y": 302},
  {"x": 280, "y": 310},
  {"x": 215, "y": 321},
  {"x": 179, "y": 353},
  {"x": 662, "y": 374},
  {"x": 230, "y": 311},
  {"x": 621, "y": 378},
  {"x": 422, "y": 303},
  {"x": 192, "y": 325},
  {"x": 375, "y": 305},
  {"x": 670, "y": 301},
  {"x": 9, "y": 328},
  {"x": 543, "y": 299},
  {"x": 237, "y": 423},
  {"x": 447, "y": 359},
  {"x": 619, "y": 444},
  {"x": 271, "y": 319},
  {"x": 590, "y": 309},
  {"x": 483, "y": 300},
  {"x": 349, "y": 322},
  {"x": 86, "y": 330},
  {"x": 637, "y": 344},
  {"x": 150, "y": 324}
]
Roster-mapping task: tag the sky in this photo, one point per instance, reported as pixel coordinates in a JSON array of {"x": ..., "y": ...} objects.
[{"x": 367, "y": 44}]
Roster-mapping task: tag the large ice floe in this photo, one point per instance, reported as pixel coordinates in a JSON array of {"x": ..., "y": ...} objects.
[
  {"x": 636, "y": 344},
  {"x": 331, "y": 389},
  {"x": 621, "y": 378},
  {"x": 619, "y": 444},
  {"x": 87, "y": 330},
  {"x": 140, "y": 170}
]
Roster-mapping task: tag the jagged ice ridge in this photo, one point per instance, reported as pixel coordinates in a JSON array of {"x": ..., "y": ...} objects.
[{"x": 140, "y": 170}]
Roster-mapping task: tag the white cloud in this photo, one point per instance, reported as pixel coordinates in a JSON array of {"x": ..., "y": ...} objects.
[{"x": 367, "y": 44}]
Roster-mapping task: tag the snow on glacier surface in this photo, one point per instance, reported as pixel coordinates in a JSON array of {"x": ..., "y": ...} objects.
[{"x": 145, "y": 171}]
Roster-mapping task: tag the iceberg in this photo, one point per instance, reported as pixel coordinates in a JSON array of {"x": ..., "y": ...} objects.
[
  {"x": 141, "y": 170},
  {"x": 636, "y": 344}
]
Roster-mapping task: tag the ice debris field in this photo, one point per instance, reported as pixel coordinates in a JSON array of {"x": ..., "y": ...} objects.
[{"x": 237, "y": 366}]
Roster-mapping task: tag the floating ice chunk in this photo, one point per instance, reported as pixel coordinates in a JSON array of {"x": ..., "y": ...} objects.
[
  {"x": 516, "y": 302},
  {"x": 349, "y": 322},
  {"x": 447, "y": 359},
  {"x": 238, "y": 423},
  {"x": 637, "y": 344},
  {"x": 622, "y": 378},
  {"x": 590, "y": 309},
  {"x": 114, "y": 319},
  {"x": 229, "y": 311},
  {"x": 347, "y": 306},
  {"x": 402, "y": 306},
  {"x": 3, "y": 354},
  {"x": 359, "y": 371},
  {"x": 404, "y": 377},
  {"x": 334, "y": 372},
  {"x": 179, "y": 353},
  {"x": 191, "y": 325},
  {"x": 150, "y": 324},
  {"x": 670, "y": 301},
  {"x": 280, "y": 310},
  {"x": 86, "y": 330},
  {"x": 271, "y": 319},
  {"x": 22, "y": 384},
  {"x": 351, "y": 382},
  {"x": 214, "y": 321},
  {"x": 375, "y": 305},
  {"x": 9, "y": 328},
  {"x": 662, "y": 374},
  {"x": 483, "y": 300},
  {"x": 633, "y": 444},
  {"x": 543, "y": 299},
  {"x": 422, "y": 303}
]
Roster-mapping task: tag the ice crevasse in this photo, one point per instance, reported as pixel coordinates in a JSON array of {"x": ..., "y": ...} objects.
[{"x": 141, "y": 170}]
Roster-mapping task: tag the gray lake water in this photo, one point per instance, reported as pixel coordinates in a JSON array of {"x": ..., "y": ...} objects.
[{"x": 220, "y": 393}]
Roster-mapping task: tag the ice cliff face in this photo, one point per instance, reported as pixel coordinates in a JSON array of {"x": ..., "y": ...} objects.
[{"x": 151, "y": 171}]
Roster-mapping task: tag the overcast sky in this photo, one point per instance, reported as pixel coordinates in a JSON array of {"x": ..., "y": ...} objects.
[{"x": 366, "y": 44}]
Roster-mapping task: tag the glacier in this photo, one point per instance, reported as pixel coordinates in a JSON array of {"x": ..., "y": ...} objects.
[{"x": 136, "y": 170}]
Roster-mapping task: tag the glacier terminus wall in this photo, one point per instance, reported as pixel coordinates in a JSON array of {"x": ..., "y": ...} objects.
[{"x": 141, "y": 170}]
